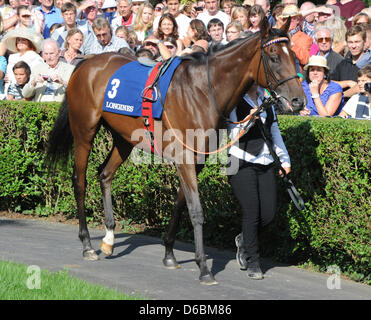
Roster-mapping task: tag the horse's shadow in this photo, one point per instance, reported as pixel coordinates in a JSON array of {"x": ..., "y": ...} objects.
[{"x": 219, "y": 259}]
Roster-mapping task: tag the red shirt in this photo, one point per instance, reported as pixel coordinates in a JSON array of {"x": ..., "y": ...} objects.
[
  {"x": 350, "y": 9},
  {"x": 128, "y": 22}
]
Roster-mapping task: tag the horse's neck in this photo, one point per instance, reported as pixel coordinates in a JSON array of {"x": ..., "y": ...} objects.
[{"x": 231, "y": 73}]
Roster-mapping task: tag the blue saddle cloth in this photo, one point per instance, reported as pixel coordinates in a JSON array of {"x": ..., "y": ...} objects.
[{"x": 124, "y": 90}]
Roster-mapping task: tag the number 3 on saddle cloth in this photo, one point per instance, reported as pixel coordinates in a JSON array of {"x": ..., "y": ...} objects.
[{"x": 130, "y": 92}]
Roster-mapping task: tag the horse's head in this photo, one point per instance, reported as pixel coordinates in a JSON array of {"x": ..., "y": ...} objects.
[{"x": 277, "y": 70}]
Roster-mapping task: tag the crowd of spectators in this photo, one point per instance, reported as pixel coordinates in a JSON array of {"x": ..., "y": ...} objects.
[{"x": 42, "y": 42}]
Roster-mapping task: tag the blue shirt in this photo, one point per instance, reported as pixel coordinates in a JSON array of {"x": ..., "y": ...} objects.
[
  {"x": 364, "y": 60},
  {"x": 3, "y": 65},
  {"x": 331, "y": 89},
  {"x": 51, "y": 17}
]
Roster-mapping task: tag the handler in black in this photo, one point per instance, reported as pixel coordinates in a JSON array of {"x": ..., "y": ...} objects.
[{"x": 254, "y": 184}]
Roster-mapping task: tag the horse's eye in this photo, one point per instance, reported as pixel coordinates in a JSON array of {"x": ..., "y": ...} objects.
[{"x": 275, "y": 59}]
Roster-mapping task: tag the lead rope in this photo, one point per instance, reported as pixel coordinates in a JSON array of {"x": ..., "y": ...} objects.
[{"x": 293, "y": 192}]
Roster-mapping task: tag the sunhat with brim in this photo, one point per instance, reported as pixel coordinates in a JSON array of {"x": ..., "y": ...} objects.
[
  {"x": 109, "y": 4},
  {"x": 11, "y": 36},
  {"x": 290, "y": 11},
  {"x": 317, "y": 61}
]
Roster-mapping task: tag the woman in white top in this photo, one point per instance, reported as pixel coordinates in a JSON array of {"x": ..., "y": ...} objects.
[
  {"x": 252, "y": 177},
  {"x": 26, "y": 47}
]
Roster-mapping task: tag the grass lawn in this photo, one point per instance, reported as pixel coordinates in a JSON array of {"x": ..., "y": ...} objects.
[{"x": 22, "y": 282}]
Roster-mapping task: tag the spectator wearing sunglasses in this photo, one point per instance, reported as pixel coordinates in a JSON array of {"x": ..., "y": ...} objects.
[
  {"x": 171, "y": 44},
  {"x": 159, "y": 9},
  {"x": 324, "y": 39},
  {"x": 26, "y": 19}
]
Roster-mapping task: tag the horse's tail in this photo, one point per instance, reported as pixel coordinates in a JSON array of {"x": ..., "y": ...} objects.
[{"x": 60, "y": 138}]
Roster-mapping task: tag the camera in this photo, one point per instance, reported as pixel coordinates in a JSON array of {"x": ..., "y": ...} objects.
[
  {"x": 368, "y": 87},
  {"x": 199, "y": 8}
]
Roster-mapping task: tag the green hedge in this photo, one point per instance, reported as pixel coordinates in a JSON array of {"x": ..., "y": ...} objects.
[{"x": 331, "y": 161}]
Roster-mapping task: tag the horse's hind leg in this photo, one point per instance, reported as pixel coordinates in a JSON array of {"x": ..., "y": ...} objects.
[
  {"x": 169, "y": 260},
  {"x": 79, "y": 182},
  {"x": 118, "y": 155}
]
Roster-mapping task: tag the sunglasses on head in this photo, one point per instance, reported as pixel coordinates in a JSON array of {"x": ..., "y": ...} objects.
[{"x": 325, "y": 39}]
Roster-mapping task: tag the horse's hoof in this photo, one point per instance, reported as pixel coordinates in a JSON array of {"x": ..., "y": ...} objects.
[
  {"x": 90, "y": 255},
  {"x": 107, "y": 249},
  {"x": 208, "y": 280},
  {"x": 170, "y": 263}
]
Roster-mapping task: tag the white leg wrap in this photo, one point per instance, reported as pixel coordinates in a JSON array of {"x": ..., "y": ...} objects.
[{"x": 109, "y": 238}]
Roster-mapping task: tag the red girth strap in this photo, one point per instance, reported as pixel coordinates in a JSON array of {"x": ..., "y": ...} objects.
[{"x": 147, "y": 106}]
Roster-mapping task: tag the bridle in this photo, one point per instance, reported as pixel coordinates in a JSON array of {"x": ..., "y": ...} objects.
[{"x": 268, "y": 70}]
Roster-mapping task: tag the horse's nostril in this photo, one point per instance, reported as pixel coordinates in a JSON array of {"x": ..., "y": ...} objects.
[{"x": 297, "y": 103}]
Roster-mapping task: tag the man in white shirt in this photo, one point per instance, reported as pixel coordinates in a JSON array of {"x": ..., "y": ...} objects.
[
  {"x": 212, "y": 11},
  {"x": 181, "y": 19}
]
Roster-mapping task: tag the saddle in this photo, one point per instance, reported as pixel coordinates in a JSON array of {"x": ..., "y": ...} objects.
[{"x": 139, "y": 90}]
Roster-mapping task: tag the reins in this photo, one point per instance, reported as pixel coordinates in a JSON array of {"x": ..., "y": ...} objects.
[
  {"x": 273, "y": 98},
  {"x": 240, "y": 134}
]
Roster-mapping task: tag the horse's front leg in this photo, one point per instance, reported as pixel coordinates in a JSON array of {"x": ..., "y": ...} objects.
[
  {"x": 188, "y": 181},
  {"x": 180, "y": 204}
]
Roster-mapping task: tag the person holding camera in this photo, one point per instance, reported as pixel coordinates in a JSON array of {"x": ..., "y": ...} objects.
[
  {"x": 358, "y": 106},
  {"x": 48, "y": 79}
]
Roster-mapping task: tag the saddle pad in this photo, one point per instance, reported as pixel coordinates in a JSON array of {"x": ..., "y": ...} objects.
[{"x": 124, "y": 90}]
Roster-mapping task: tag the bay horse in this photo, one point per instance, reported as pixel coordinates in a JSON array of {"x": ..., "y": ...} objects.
[{"x": 223, "y": 75}]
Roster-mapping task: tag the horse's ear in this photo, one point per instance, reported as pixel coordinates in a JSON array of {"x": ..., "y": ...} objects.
[
  {"x": 285, "y": 27},
  {"x": 264, "y": 29}
]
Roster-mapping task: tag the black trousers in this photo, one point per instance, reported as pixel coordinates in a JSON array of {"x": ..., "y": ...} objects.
[{"x": 255, "y": 188}]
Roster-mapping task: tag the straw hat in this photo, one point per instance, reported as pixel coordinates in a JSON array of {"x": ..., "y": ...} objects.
[
  {"x": 317, "y": 61},
  {"x": 10, "y": 38},
  {"x": 290, "y": 11}
]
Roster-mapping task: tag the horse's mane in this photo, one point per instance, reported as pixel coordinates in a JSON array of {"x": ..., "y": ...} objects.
[{"x": 200, "y": 57}]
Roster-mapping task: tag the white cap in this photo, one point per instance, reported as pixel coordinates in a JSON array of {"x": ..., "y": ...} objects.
[{"x": 109, "y": 4}]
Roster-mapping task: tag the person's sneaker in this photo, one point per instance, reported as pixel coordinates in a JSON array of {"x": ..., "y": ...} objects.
[
  {"x": 254, "y": 271},
  {"x": 241, "y": 255}
]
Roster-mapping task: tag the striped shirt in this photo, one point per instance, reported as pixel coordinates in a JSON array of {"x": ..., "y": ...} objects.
[{"x": 60, "y": 35}]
